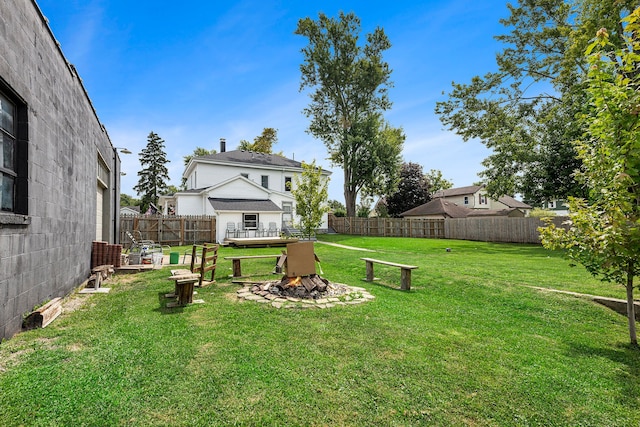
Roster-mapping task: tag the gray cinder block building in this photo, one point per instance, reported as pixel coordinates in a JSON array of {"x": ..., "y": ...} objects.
[{"x": 59, "y": 172}]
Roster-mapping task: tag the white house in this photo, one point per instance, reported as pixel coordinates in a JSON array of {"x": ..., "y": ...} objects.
[
  {"x": 249, "y": 189},
  {"x": 475, "y": 197}
]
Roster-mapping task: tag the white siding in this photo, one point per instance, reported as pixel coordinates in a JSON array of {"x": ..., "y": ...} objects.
[{"x": 205, "y": 175}]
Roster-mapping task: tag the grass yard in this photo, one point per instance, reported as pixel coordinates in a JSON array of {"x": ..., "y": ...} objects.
[{"x": 471, "y": 344}]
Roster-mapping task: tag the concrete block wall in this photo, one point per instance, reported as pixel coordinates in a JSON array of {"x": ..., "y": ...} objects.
[{"x": 48, "y": 254}]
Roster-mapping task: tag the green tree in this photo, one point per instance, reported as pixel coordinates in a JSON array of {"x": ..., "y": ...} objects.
[
  {"x": 364, "y": 207},
  {"x": 337, "y": 208},
  {"x": 154, "y": 174},
  {"x": 198, "y": 152},
  {"x": 127, "y": 200},
  {"x": 604, "y": 232},
  {"x": 525, "y": 111},
  {"x": 310, "y": 193},
  {"x": 413, "y": 190},
  {"x": 351, "y": 84},
  {"x": 437, "y": 181},
  {"x": 262, "y": 143}
]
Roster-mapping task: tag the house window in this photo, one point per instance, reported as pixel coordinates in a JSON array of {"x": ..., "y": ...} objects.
[
  {"x": 246, "y": 175},
  {"x": 265, "y": 181},
  {"x": 287, "y": 183},
  {"x": 250, "y": 221},
  {"x": 466, "y": 200},
  {"x": 13, "y": 153},
  {"x": 482, "y": 199}
]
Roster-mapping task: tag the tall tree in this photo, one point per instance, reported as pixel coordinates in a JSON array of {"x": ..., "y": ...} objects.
[
  {"x": 262, "y": 143},
  {"x": 154, "y": 174},
  {"x": 351, "y": 84},
  {"x": 524, "y": 112},
  {"x": 604, "y": 232},
  {"x": 413, "y": 190},
  {"x": 311, "y": 193}
]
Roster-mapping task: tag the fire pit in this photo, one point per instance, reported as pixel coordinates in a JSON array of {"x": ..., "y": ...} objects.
[{"x": 301, "y": 286}]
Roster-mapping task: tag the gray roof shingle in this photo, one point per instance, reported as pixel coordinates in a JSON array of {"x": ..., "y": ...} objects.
[
  {"x": 251, "y": 157},
  {"x": 438, "y": 207}
]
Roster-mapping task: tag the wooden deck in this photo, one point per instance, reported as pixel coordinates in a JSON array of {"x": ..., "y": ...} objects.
[{"x": 258, "y": 242}]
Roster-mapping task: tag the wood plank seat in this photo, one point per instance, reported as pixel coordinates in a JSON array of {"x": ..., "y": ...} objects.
[
  {"x": 185, "y": 281},
  {"x": 237, "y": 268},
  {"x": 405, "y": 271}
]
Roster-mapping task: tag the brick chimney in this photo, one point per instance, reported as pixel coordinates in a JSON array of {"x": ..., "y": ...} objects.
[{"x": 223, "y": 145}]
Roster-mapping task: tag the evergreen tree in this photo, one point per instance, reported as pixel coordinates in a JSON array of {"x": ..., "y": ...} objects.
[{"x": 154, "y": 174}]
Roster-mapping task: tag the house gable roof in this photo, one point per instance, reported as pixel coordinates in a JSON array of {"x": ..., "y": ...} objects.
[
  {"x": 244, "y": 205},
  {"x": 239, "y": 178},
  {"x": 250, "y": 158},
  {"x": 460, "y": 191},
  {"x": 513, "y": 203},
  {"x": 438, "y": 207}
]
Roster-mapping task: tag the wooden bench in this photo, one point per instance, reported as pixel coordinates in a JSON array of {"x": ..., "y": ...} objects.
[
  {"x": 237, "y": 269},
  {"x": 185, "y": 281},
  {"x": 405, "y": 271}
]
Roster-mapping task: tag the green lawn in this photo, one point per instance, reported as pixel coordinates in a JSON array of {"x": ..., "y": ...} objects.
[{"x": 471, "y": 344}]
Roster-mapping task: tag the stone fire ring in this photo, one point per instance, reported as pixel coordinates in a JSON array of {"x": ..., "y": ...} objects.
[{"x": 354, "y": 295}]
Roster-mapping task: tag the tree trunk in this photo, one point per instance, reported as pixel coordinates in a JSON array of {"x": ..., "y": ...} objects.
[
  {"x": 350, "y": 195},
  {"x": 631, "y": 311}
]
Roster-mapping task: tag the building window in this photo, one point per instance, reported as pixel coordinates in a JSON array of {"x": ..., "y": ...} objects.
[
  {"x": 265, "y": 181},
  {"x": 13, "y": 153},
  {"x": 249, "y": 221},
  {"x": 287, "y": 183},
  {"x": 466, "y": 200},
  {"x": 246, "y": 175},
  {"x": 482, "y": 199}
]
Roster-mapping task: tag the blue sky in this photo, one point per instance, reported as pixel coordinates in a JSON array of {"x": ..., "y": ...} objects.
[{"x": 197, "y": 71}]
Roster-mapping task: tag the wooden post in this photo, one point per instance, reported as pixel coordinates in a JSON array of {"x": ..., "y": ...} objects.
[
  {"x": 237, "y": 270},
  {"x": 405, "y": 279},
  {"x": 369, "y": 271},
  {"x": 185, "y": 292}
]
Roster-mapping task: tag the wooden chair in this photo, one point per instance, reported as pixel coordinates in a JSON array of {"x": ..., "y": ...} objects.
[{"x": 208, "y": 262}]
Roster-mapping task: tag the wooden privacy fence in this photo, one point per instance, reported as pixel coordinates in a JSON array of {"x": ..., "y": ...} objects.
[
  {"x": 486, "y": 229},
  {"x": 170, "y": 230},
  {"x": 389, "y": 227}
]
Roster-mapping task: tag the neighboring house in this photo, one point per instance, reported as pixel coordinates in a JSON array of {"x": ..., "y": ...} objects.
[
  {"x": 437, "y": 209},
  {"x": 440, "y": 208},
  {"x": 129, "y": 210},
  {"x": 475, "y": 197},
  {"x": 558, "y": 206},
  {"x": 59, "y": 172},
  {"x": 248, "y": 189}
]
